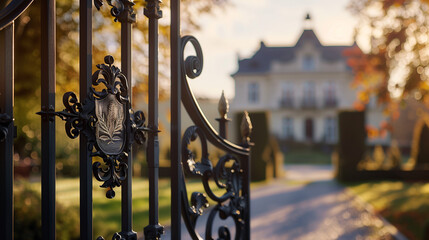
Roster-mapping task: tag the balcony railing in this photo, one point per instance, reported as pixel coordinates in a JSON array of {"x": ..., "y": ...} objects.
[
  {"x": 330, "y": 103},
  {"x": 309, "y": 103},
  {"x": 286, "y": 103}
]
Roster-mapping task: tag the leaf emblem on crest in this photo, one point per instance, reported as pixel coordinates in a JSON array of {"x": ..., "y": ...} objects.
[{"x": 110, "y": 124}]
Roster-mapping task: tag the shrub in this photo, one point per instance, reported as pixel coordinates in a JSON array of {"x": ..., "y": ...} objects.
[
  {"x": 420, "y": 151},
  {"x": 378, "y": 156},
  {"x": 394, "y": 158},
  {"x": 260, "y": 169},
  {"x": 28, "y": 217}
]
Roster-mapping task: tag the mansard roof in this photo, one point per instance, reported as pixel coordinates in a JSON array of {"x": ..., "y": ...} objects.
[{"x": 260, "y": 62}]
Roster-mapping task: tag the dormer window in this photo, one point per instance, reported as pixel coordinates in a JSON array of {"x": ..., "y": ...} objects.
[
  {"x": 308, "y": 63},
  {"x": 253, "y": 96}
]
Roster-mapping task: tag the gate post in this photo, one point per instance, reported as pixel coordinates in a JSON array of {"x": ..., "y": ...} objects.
[
  {"x": 6, "y": 131},
  {"x": 154, "y": 230}
]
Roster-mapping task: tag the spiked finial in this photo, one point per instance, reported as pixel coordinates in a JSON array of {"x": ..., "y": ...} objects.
[
  {"x": 223, "y": 106},
  {"x": 246, "y": 127},
  {"x": 308, "y": 24}
]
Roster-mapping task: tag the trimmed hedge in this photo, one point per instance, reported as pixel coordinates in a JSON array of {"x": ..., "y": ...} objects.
[
  {"x": 351, "y": 144},
  {"x": 422, "y": 158},
  {"x": 261, "y": 168}
]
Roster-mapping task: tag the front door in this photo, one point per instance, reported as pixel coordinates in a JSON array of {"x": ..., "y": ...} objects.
[{"x": 309, "y": 129}]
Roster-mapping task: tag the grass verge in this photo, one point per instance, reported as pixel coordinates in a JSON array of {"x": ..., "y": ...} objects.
[
  {"x": 403, "y": 204},
  {"x": 107, "y": 212}
]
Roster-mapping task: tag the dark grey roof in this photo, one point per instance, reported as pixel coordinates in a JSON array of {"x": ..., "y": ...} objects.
[{"x": 260, "y": 62}]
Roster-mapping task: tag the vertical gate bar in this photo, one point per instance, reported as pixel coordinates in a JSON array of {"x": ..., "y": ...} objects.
[
  {"x": 126, "y": 194},
  {"x": 175, "y": 120},
  {"x": 154, "y": 230},
  {"x": 85, "y": 71},
  {"x": 246, "y": 129},
  {"x": 48, "y": 53},
  {"x": 6, "y": 146},
  {"x": 245, "y": 161}
]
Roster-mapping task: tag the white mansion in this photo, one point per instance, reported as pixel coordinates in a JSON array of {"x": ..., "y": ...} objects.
[{"x": 301, "y": 87}]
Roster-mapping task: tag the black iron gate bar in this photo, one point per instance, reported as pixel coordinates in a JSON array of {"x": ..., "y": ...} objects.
[
  {"x": 85, "y": 71},
  {"x": 153, "y": 12},
  {"x": 48, "y": 78},
  {"x": 6, "y": 126}
]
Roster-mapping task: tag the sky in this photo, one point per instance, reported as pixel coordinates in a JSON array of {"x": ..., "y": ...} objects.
[{"x": 237, "y": 30}]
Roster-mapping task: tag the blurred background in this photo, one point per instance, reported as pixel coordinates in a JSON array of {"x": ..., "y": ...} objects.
[{"x": 342, "y": 83}]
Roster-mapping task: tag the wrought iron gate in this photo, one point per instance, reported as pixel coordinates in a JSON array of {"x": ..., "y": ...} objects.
[{"x": 107, "y": 127}]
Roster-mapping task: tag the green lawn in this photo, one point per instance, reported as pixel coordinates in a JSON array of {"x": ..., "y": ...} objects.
[
  {"x": 307, "y": 156},
  {"x": 107, "y": 212},
  {"x": 404, "y": 204}
]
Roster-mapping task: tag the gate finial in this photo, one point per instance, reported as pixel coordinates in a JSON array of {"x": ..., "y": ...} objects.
[
  {"x": 223, "y": 106},
  {"x": 246, "y": 128}
]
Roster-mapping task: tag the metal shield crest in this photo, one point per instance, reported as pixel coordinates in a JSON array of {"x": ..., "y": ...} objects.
[{"x": 110, "y": 129}]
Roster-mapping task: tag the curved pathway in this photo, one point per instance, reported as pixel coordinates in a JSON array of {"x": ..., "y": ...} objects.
[{"x": 309, "y": 204}]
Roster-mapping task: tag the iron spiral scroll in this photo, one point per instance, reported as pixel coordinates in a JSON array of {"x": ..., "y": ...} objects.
[{"x": 227, "y": 174}]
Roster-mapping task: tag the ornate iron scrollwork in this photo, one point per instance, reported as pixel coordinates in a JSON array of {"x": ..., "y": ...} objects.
[
  {"x": 5, "y": 121},
  {"x": 106, "y": 119},
  {"x": 122, "y": 10},
  {"x": 227, "y": 175},
  {"x": 192, "y": 66}
]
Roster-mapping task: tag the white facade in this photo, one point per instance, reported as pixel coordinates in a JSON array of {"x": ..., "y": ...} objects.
[{"x": 301, "y": 87}]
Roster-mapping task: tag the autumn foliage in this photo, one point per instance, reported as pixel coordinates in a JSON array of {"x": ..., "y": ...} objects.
[{"x": 396, "y": 65}]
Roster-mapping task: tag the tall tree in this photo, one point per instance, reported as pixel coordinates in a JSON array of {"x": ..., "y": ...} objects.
[{"x": 396, "y": 65}]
